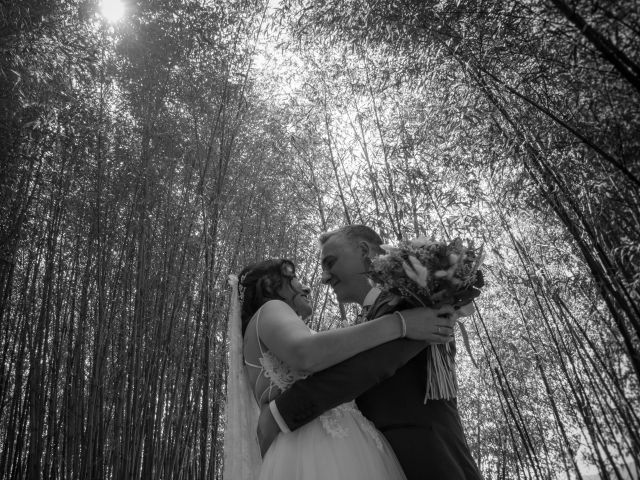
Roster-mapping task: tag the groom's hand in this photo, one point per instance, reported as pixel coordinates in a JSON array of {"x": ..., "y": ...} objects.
[
  {"x": 268, "y": 429},
  {"x": 429, "y": 324}
]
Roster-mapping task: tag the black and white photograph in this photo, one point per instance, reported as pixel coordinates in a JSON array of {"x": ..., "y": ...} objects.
[{"x": 320, "y": 239}]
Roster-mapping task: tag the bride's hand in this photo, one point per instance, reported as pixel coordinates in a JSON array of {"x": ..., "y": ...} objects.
[
  {"x": 268, "y": 429},
  {"x": 429, "y": 324}
]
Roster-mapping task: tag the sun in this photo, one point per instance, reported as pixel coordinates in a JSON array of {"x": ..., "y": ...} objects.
[{"x": 112, "y": 10}]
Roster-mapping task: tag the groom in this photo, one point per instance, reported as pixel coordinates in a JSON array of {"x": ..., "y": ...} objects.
[{"x": 388, "y": 381}]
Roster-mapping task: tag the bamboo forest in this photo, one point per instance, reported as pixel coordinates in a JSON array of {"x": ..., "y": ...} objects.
[{"x": 150, "y": 148}]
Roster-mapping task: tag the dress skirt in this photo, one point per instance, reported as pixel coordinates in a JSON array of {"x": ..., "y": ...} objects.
[{"x": 339, "y": 445}]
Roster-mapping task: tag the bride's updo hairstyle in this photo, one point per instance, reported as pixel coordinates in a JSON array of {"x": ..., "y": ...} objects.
[{"x": 259, "y": 283}]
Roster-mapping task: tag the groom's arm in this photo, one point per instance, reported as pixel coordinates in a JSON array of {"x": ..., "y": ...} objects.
[{"x": 309, "y": 398}]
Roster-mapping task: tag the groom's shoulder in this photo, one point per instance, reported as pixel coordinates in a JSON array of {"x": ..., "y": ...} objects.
[
  {"x": 384, "y": 304},
  {"x": 387, "y": 303}
]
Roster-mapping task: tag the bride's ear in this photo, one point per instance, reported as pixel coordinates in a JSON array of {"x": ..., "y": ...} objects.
[{"x": 266, "y": 286}]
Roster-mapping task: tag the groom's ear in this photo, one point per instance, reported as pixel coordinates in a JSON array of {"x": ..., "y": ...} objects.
[{"x": 364, "y": 248}]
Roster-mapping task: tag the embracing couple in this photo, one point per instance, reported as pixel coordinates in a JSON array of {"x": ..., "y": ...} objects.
[{"x": 346, "y": 403}]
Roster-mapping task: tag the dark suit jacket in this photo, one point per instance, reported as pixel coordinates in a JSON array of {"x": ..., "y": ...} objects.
[{"x": 388, "y": 383}]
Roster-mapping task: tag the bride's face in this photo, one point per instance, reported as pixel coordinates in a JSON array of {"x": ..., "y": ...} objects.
[{"x": 297, "y": 297}]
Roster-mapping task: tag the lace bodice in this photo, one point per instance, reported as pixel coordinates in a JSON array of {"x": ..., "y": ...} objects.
[
  {"x": 278, "y": 372},
  {"x": 282, "y": 376}
]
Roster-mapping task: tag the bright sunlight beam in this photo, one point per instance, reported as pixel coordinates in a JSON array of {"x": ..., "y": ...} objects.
[{"x": 112, "y": 10}]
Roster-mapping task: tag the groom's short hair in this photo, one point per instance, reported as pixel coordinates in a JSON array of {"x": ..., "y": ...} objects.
[{"x": 355, "y": 234}]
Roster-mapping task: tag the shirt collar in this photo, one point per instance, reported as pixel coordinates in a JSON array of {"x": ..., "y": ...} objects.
[{"x": 371, "y": 297}]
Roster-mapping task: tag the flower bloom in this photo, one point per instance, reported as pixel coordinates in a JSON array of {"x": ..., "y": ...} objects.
[
  {"x": 416, "y": 272},
  {"x": 421, "y": 242},
  {"x": 390, "y": 248}
]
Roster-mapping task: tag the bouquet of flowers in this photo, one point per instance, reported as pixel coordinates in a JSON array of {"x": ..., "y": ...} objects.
[{"x": 428, "y": 273}]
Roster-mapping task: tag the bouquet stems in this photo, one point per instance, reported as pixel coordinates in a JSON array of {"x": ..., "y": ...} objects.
[{"x": 442, "y": 383}]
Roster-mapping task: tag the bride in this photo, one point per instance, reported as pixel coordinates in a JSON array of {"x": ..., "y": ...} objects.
[{"x": 279, "y": 349}]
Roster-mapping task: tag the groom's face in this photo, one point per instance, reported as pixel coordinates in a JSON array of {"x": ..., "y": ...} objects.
[{"x": 343, "y": 268}]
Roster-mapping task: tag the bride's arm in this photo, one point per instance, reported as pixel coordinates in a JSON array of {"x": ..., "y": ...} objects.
[{"x": 282, "y": 331}]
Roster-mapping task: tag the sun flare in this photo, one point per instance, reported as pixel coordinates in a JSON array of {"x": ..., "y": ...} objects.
[{"x": 112, "y": 10}]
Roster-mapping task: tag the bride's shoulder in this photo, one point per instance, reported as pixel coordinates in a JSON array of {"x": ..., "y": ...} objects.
[
  {"x": 269, "y": 310},
  {"x": 276, "y": 307},
  {"x": 275, "y": 314}
]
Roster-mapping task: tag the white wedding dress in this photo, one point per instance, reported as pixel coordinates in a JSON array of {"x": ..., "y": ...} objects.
[{"x": 341, "y": 444}]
